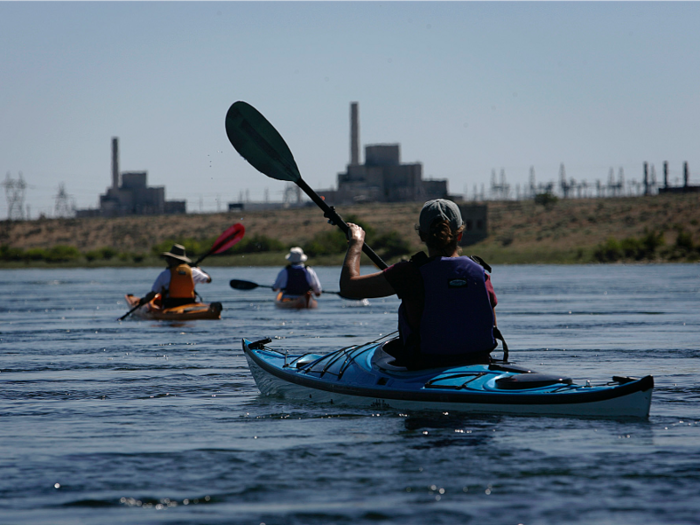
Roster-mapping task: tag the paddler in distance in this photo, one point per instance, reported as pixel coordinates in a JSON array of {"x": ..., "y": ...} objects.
[
  {"x": 296, "y": 278},
  {"x": 176, "y": 283},
  {"x": 447, "y": 311}
]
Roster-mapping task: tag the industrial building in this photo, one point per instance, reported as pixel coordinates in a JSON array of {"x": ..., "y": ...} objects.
[
  {"x": 132, "y": 196},
  {"x": 475, "y": 218},
  {"x": 382, "y": 178},
  {"x": 686, "y": 188}
]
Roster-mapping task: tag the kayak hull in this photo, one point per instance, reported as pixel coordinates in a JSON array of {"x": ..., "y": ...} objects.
[
  {"x": 361, "y": 376},
  {"x": 187, "y": 312},
  {"x": 296, "y": 302}
]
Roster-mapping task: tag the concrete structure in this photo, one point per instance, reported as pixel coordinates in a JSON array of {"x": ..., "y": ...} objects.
[
  {"x": 382, "y": 178},
  {"x": 133, "y": 197},
  {"x": 475, "y": 217}
]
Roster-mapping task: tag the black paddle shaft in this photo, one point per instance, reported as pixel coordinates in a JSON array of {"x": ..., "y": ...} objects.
[
  {"x": 237, "y": 284},
  {"x": 332, "y": 215},
  {"x": 127, "y": 314}
]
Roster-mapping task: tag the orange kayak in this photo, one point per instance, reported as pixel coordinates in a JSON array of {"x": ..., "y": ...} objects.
[
  {"x": 186, "y": 312},
  {"x": 296, "y": 301}
]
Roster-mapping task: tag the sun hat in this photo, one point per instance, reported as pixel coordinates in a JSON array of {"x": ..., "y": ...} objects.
[
  {"x": 439, "y": 209},
  {"x": 177, "y": 252},
  {"x": 296, "y": 255}
]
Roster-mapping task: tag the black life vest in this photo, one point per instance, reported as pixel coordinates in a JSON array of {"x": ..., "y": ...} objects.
[
  {"x": 297, "y": 284},
  {"x": 457, "y": 317}
]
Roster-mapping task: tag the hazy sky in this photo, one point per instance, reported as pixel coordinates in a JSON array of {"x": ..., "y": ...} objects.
[{"x": 463, "y": 87}]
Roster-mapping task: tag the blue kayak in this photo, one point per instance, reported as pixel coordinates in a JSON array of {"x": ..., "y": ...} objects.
[{"x": 365, "y": 375}]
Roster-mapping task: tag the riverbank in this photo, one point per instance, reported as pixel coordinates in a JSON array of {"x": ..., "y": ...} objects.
[{"x": 520, "y": 232}]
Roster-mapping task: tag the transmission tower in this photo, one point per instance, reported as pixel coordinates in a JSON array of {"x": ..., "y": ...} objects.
[
  {"x": 292, "y": 194},
  {"x": 563, "y": 185},
  {"x": 612, "y": 187},
  {"x": 64, "y": 207},
  {"x": 621, "y": 180},
  {"x": 14, "y": 191},
  {"x": 499, "y": 191}
]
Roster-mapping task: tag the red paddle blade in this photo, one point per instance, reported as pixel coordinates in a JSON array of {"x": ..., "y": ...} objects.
[{"x": 227, "y": 239}]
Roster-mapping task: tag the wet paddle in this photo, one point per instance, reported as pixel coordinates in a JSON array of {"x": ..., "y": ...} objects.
[
  {"x": 127, "y": 314},
  {"x": 226, "y": 240},
  {"x": 139, "y": 305},
  {"x": 237, "y": 284},
  {"x": 259, "y": 143}
]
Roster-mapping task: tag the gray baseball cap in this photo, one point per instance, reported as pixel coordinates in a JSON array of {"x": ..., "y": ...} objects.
[{"x": 439, "y": 209}]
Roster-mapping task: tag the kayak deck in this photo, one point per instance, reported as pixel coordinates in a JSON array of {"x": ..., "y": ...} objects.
[
  {"x": 192, "y": 311},
  {"x": 297, "y": 302},
  {"x": 364, "y": 375}
]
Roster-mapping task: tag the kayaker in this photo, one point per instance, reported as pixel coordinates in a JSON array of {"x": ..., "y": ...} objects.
[
  {"x": 296, "y": 278},
  {"x": 176, "y": 283},
  {"x": 447, "y": 311}
]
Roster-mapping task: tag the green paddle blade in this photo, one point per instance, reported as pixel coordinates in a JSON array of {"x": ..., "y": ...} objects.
[{"x": 259, "y": 143}]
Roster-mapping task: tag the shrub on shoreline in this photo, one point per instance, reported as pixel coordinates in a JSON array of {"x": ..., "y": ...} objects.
[
  {"x": 257, "y": 244},
  {"x": 648, "y": 247},
  {"x": 387, "y": 245},
  {"x": 63, "y": 254},
  {"x": 56, "y": 254}
]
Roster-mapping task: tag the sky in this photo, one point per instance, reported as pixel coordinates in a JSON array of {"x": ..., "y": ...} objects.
[{"x": 465, "y": 88}]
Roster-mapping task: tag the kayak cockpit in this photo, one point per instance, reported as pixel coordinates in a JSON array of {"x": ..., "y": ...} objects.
[{"x": 531, "y": 380}]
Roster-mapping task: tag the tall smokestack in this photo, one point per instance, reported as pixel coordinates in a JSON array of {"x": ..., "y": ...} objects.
[
  {"x": 646, "y": 178},
  {"x": 115, "y": 163},
  {"x": 354, "y": 135}
]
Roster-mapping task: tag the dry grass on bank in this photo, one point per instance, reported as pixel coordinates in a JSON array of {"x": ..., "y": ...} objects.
[{"x": 519, "y": 231}]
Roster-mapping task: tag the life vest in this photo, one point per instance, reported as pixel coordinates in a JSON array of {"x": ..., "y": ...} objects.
[
  {"x": 297, "y": 283},
  {"x": 181, "y": 282},
  {"x": 457, "y": 316}
]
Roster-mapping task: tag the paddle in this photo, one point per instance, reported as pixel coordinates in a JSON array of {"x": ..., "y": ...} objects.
[
  {"x": 141, "y": 303},
  {"x": 226, "y": 240},
  {"x": 258, "y": 142},
  {"x": 248, "y": 285}
]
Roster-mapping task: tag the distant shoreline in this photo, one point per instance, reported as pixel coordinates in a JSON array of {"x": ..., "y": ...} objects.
[{"x": 569, "y": 231}]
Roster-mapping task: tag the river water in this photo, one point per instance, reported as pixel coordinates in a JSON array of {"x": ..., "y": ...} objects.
[{"x": 107, "y": 422}]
